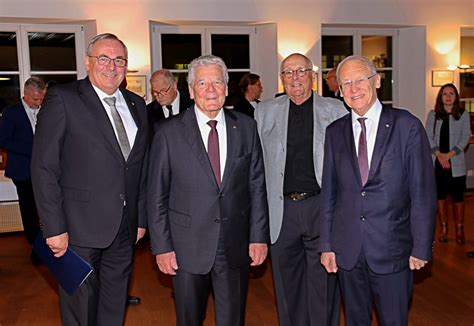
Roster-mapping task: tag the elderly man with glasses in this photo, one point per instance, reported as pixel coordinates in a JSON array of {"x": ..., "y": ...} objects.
[
  {"x": 168, "y": 101},
  {"x": 292, "y": 129}
]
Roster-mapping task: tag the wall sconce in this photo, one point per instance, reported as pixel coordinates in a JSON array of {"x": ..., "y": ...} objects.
[{"x": 463, "y": 67}]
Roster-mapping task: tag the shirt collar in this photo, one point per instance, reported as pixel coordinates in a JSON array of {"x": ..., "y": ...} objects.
[
  {"x": 103, "y": 95},
  {"x": 202, "y": 119},
  {"x": 372, "y": 114}
]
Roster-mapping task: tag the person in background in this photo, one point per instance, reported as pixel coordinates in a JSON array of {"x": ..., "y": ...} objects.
[
  {"x": 331, "y": 81},
  {"x": 17, "y": 128},
  {"x": 378, "y": 200},
  {"x": 89, "y": 170},
  {"x": 207, "y": 207},
  {"x": 448, "y": 130},
  {"x": 251, "y": 88},
  {"x": 292, "y": 129},
  {"x": 168, "y": 101}
]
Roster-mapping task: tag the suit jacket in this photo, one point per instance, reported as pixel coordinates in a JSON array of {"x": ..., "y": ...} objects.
[
  {"x": 155, "y": 110},
  {"x": 459, "y": 134},
  {"x": 392, "y": 216},
  {"x": 16, "y": 137},
  {"x": 244, "y": 106},
  {"x": 272, "y": 122},
  {"x": 187, "y": 211},
  {"x": 82, "y": 183}
]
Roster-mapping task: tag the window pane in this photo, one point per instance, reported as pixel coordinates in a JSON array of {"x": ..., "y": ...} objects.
[
  {"x": 52, "y": 51},
  {"x": 335, "y": 49},
  {"x": 9, "y": 90},
  {"x": 233, "y": 49},
  {"x": 466, "y": 82},
  {"x": 52, "y": 80},
  {"x": 8, "y": 52},
  {"x": 378, "y": 49},
  {"x": 233, "y": 87},
  {"x": 179, "y": 49},
  {"x": 385, "y": 90}
]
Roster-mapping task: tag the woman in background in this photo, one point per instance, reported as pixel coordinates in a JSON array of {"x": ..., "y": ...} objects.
[{"x": 448, "y": 129}]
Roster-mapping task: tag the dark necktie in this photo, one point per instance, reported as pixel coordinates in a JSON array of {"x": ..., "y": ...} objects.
[
  {"x": 213, "y": 151},
  {"x": 363, "y": 157},
  {"x": 121, "y": 133},
  {"x": 170, "y": 110}
]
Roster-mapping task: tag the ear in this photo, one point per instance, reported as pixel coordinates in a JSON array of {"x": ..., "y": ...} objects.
[
  {"x": 378, "y": 82},
  {"x": 87, "y": 63},
  {"x": 191, "y": 92},
  {"x": 226, "y": 91}
]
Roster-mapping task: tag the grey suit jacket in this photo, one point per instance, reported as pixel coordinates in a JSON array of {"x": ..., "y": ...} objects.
[{"x": 272, "y": 124}]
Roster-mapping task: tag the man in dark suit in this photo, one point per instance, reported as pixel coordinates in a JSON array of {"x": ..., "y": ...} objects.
[
  {"x": 88, "y": 175},
  {"x": 335, "y": 92},
  {"x": 207, "y": 208},
  {"x": 168, "y": 101},
  {"x": 378, "y": 200},
  {"x": 251, "y": 88},
  {"x": 17, "y": 128}
]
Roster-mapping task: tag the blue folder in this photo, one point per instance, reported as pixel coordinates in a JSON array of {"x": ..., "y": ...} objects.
[{"x": 69, "y": 270}]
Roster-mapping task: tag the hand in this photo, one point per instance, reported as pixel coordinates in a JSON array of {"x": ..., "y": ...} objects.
[
  {"x": 258, "y": 253},
  {"x": 416, "y": 263},
  {"x": 140, "y": 234},
  {"x": 167, "y": 263},
  {"x": 58, "y": 244},
  {"x": 328, "y": 260},
  {"x": 443, "y": 159}
]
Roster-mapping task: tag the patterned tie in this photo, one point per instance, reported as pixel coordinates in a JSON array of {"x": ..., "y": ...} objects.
[
  {"x": 170, "y": 110},
  {"x": 121, "y": 133},
  {"x": 363, "y": 157},
  {"x": 213, "y": 151}
]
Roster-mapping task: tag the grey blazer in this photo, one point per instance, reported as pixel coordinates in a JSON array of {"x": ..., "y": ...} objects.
[
  {"x": 459, "y": 133},
  {"x": 272, "y": 125}
]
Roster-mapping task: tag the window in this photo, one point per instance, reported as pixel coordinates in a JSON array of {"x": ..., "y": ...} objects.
[{"x": 466, "y": 75}]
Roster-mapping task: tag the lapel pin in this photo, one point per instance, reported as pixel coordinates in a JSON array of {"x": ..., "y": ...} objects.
[
  {"x": 387, "y": 125},
  {"x": 234, "y": 126}
]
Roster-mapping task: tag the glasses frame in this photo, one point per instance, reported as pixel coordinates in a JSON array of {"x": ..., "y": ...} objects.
[
  {"x": 162, "y": 92},
  {"x": 301, "y": 72},
  {"x": 108, "y": 60},
  {"x": 347, "y": 84}
]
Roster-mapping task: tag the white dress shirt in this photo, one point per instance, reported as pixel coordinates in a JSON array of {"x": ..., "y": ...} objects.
[
  {"x": 32, "y": 115},
  {"x": 205, "y": 129},
  {"x": 371, "y": 125},
  {"x": 124, "y": 112},
  {"x": 175, "y": 107}
]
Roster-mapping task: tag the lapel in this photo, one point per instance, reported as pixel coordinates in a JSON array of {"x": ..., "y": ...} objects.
[
  {"x": 132, "y": 107},
  {"x": 234, "y": 138},
  {"x": 348, "y": 136},
  {"x": 192, "y": 135},
  {"x": 94, "y": 107},
  {"x": 281, "y": 118},
  {"x": 383, "y": 132},
  {"x": 24, "y": 117}
]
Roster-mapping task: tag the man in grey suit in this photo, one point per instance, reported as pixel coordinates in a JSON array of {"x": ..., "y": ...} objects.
[
  {"x": 207, "y": 205},
  {"x": 292, "y": 129},
  {"x": 88, "y": 170}
]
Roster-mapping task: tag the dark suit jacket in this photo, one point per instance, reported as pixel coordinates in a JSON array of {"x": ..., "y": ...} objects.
[
  {"x": 155, "y": 110},
  {"x": 16, "y": 137},
  {"x": 186, "y": 208},
  {"x": 392, "y": 217},
  {"x": 244, "y": 106},
  {"x": 80, "y": 177}
]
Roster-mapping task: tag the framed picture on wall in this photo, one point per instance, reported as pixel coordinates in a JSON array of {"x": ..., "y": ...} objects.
[
  {"x": 441, "y": 77},
  {"x": 137, "y": 84}
]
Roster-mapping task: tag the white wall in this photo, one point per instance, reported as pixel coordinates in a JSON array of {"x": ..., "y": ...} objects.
[{"x": 299, "y": 21}]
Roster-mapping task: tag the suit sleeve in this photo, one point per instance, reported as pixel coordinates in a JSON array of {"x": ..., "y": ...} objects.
[
  {"x": 328, "y": 195},
  {"x": 46, "y": 163},
  {"x": 158, "y": 187},
  {"x": 259, "y": 229},
  {"x": 142, "y": 196},
  {"x": 422, "y": 187},
  {"x": 465, "y": 133},
  {"x": 8, "y": 141}
]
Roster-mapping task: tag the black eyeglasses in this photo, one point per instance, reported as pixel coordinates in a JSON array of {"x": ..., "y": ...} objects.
[
  {"x": 162, "y": 92},
  {"x": 104, "y": 60},
  {"x": 299, "y": 72}
]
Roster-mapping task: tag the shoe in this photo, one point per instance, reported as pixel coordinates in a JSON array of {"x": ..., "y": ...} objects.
[
  {"x": 35, "y": 259},
  {"x": 470, "y": 254},
  {"x": 132, "y": 300}
]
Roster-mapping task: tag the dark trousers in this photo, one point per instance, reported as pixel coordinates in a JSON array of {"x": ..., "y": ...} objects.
[
  {"x": 29, "y": 215},
  {"x": 101, "y": 299},
  {"x": 305, "y": 293},
  {"x": 229, "y": 287},
  {"x": 361, "y": 287}
]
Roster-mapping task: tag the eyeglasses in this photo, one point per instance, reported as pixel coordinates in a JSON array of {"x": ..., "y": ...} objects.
[
  {"x": 162, "y": 92},
  {"x": 288, "y": 74},
  {"x": 347, "y": 84},
  {"x": 104, "y": 60}
]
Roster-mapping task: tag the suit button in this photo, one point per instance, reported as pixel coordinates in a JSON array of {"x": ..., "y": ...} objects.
[
  {"x": 362, "y": 218},
  {"x": 281, "y": 197},
  {"x": 217, "y": 220},
  {"x": 122, "y": 196},
  {"x": 282, "y": 174},
  {"x": 363, "y": 193}
]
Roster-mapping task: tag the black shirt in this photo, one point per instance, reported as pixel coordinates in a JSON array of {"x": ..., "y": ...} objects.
[{"x": 299, "y": 169}]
